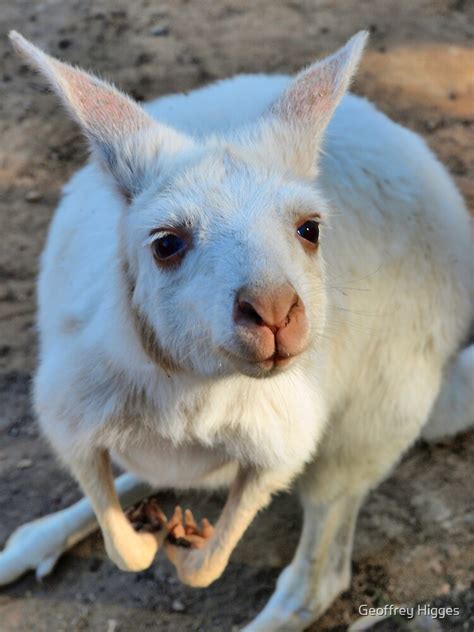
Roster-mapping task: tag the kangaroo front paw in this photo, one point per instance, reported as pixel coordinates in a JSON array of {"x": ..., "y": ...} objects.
[
  {"x": 186, "y": 533},
  {"x": 186, "y": 549},
  {"x": 133, "y": 553}
]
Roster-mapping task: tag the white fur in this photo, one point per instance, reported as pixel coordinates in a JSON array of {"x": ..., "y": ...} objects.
[
  {"x": 388, "y": 296},
  {"x": 453, "y": 411}
]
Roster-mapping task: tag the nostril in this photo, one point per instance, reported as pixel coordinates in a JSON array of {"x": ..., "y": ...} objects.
[{"x": 247, "y": 312}]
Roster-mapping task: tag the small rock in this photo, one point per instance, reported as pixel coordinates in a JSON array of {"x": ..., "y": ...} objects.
[
  {"x": 112, "y": 625},
  {"x": 460, "y": 586},
  {"x": 178, "y": 606},
  {"x": 23, "y": 464},
  {"x": 436, "y": 566},
  {"x": 161, "y": 30},
  {"x": 33, "y": 196},
  {"x": 445, "y": 589}
]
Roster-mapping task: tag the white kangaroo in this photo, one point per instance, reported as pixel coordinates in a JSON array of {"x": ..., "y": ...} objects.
[{"x": 260, "y": 283}]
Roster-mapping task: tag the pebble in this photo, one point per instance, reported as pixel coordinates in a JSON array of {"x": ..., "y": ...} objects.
[
  {"x": 436, "y": 566},
  {"x": 161, "y": 30},
  {"x": 445, "y": 589},
  {"x": 460, "y": 586},
  {"x": 112, "y": 625},
  {"x": 23, "y": 464},
  {"x": 178, "y": 606},
  {"x": 33, "y": 196}
]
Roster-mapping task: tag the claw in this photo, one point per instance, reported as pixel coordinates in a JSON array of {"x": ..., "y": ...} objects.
[
  {"x": 147, "y": 516},
  {"x": 176, "y": 519},
  {"x": 155, "y": 515},
  {"x": 207, "y": 530},
  {"x": 187, "y": 534},
  {"x": 175, "y": 525},
  {"x": 191, "y": 526}
]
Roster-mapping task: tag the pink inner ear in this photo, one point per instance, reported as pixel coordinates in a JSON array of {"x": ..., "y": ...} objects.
[
  {"x": 316, "y": 92},
  {"x": 99, "y": 107},
  {"x": 313, "y": 95}
]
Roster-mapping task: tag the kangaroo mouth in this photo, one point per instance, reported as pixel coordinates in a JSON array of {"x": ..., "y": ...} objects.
[{"x": 276, "y": 363}]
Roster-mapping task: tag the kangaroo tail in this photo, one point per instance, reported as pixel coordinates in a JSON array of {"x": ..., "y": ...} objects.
[{"x": 453, "y": 410}]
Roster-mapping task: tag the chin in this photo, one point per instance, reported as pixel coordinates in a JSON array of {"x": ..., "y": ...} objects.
[
  {"x": 214, "y": 367},
  {"x": 261, "y": 369}
]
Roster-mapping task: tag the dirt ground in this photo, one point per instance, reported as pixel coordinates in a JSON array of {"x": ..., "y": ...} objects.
[{"x": 415, "y": 537}]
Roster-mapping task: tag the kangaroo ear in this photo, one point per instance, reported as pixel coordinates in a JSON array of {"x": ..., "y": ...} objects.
[
  {"x": 307, "y": 106},
  {"x": 122, "y": 136}
]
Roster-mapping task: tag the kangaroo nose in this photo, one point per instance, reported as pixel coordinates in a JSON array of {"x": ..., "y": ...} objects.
[{"x": 269, "y": 309}]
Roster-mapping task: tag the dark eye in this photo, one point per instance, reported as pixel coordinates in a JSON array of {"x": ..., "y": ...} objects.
[
  {"x": 168, "y": 246},
  {"x": 309, "y": 231}
]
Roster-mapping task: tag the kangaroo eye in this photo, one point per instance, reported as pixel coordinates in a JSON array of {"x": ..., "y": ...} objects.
[
  {"x": 168, "y": 247},
  {"x": 309, "y": 231}
]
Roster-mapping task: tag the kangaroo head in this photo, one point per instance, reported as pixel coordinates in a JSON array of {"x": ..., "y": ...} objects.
[{"x": 221, "y": 240}]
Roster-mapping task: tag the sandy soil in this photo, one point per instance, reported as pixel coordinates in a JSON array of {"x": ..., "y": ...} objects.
[{"x": 415, "y": 538}]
